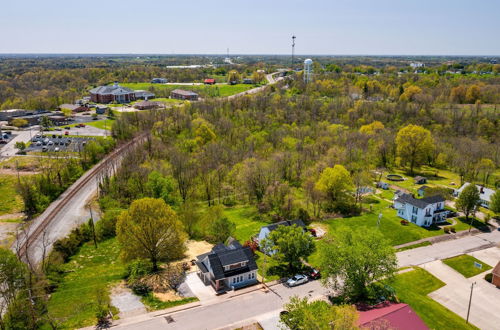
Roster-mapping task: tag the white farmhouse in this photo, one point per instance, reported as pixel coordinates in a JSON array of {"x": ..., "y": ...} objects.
[
  {"x": 422, "y": 212},
  {"x": 485, "y": 194}
]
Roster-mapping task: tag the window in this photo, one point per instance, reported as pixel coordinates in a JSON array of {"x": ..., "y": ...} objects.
[
  {"x": 413, "y": 219},
  {"x": 251, "y": 276},
  {"x": 415, "y": 210}
]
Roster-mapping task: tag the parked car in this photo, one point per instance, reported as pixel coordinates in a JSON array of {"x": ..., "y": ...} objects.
[
  {"x": 38, "y": 143},
  {"x": 297, "y": 280},
  {"x": 58, "y": 129},
  {"x": 34, "y": 139},
  {"x": 50, "y": 143},
  {"x": 56, "y": 149},
  {"x": 314, "y": 274},
  {"x": 66, "y": 133},
  {"x": 3, "y": 142},
  {"x": 67, "y": 127},
  {"x": 44, "y": 149}
]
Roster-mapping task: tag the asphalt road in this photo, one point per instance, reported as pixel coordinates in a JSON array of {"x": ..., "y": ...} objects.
[{"x": 232, "y": 312}]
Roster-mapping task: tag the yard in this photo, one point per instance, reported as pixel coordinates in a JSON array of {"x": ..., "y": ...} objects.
[
  {"x": 102, "y": 124},
  {"x": 247, "y": 220},
  {"x": 465, "y": 265},
  {"x": 413, "y": 287},
  {"x": 73, "y": 303},
  {"x": 10, "y": 201}
]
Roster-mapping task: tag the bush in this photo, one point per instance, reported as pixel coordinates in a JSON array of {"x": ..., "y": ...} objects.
[
  {"x": 140, "y": 288},
  {"x": 452, "y": 229},
  {"x": 446, "y": 229},
  {"x": 303, "y": 215},
  {"x": 138, "y": 268},
  {"x": 405, "y": 222},
  {"x": 489, "y": 277},
  {"x": 106, "y": 227},
  {"x": 68, "y": 246}
]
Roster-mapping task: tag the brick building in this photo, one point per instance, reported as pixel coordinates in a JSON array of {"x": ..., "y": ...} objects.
[{"x": 112, "y": 93}]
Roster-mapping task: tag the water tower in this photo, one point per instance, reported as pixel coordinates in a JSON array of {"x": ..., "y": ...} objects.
[{"x": 308, "y": 70}]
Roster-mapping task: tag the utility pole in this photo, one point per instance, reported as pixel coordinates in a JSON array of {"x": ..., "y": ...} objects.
[
  {"x": 293, "y": 49},
  {"x": 92, "y": 226},
  {"x": 470, "y": 301}
]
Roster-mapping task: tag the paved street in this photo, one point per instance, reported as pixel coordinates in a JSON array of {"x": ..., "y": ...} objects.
[
  {"x": 447, "y": 249},
  {"x": 247, "y": 308}
]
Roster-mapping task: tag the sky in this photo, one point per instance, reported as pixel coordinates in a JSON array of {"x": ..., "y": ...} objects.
[{"x": 327, "y": 27}]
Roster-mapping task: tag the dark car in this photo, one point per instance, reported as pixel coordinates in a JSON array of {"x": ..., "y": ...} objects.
[{"x": 67, "y": 127}]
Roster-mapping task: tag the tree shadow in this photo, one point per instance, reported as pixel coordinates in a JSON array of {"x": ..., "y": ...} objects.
[{"x": 479, "y": 225}]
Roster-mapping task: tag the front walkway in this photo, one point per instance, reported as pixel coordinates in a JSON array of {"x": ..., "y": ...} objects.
[{"x": 203, "y": 292}]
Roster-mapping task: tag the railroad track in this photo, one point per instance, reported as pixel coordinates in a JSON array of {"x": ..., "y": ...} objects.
[{"x": 31, "y": 237}]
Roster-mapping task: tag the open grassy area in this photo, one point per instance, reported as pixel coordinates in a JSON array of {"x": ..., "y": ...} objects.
[
  {"x": 204, "y": 90},
  {"x": 413, "y": 287},
  {"x": 414, "y": 246},
  {"x": 154, "y": 303},
  {"x": 102, "y": 124},
  {"x": 247, "y": 219},
  {"x": 73, "y": 303},
  {"x": 10, "y": 201},
  {"x": 390, "y": 224},
  {"x": 464, "y": 264}
]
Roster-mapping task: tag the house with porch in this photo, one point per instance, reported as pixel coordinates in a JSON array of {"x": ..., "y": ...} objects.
[
  {"x": 423, "y": 212},
  {"x": 227, "y": 267}
]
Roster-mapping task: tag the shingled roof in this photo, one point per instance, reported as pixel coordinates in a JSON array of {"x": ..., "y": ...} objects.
[
  {"x": 111, "y": 89},
  {"x": 420, "y": 203},
  {"x": 274, "y": 226}
]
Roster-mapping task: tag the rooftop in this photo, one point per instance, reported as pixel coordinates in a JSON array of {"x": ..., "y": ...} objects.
[
  {"x": 114, "y": 89},
  {"x": 420, "y": 203},
  {"x": 398, "y": 316},
  {"x": 183, "y": 92}
]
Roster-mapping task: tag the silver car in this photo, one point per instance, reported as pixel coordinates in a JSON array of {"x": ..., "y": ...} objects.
[{"x": 297, "y": 280}]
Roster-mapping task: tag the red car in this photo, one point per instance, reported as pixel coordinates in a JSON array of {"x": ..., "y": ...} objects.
[
  {"x": 66, "y": 133},
  {"x": 314, "y": 274}
]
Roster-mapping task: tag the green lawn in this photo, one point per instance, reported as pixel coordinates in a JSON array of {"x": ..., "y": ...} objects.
[
  {"x": 247, "y": 219},
  {"x": 390, "y": 224},
  {"x": 414, "y": 246},
  {"x": 102, "y": 124},
  {"x": 204, "y": 90},
  {"x": 10, "y": 201},
  {"x": 413, "y": 287},
  {"x": 464, "y": 264},
  {"x": 73, "y": 303}
]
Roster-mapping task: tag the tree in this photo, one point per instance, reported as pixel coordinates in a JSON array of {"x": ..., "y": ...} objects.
[
  {"x": 150, "y": 229},
  {"x": 353, "y": 260},
  {"x": 233, "y": 77},
  {"x": 221, "y": 229},
  {"x": 19, "y": 122},
  {"x": 13, "y": 274},
  {"x": 361, "y": 180},
  {"x": 257, "y": 77},
  {"x": 373, "y": 128},
  {"x": 468, "y": 200},
  {"x": 495, "y": 202},
  {"x": 20, "y": 145},
  {"x": 335, "y": 182},
  {"x": 162, "y": 187},
  {"x": 473, "y": 94},
  {"x": 318, "y": 315},
  {"x": 410, "y": 93},
  {"x": 45, "y": 122},
  {"x": 414, "y": 145},
  {"x": 291, "y": 245}
]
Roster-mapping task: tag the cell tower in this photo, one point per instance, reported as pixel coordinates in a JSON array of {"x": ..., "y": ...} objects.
[
  {"x": 293, "y": 48},
  {"x": 308, "y": 70}
]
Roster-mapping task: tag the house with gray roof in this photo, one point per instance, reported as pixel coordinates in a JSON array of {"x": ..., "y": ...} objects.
[
  {"x": 181, "y": 94},
  {"x": 227, "y": 267},
  {"x": 423, "y": 212},
  {"x": 112, "y": 93},
  {"x": 485, "y": 194},
  {"x": 266, "y": 230}
]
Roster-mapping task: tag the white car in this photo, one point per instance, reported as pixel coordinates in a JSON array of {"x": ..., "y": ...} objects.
[
  {"x": 56, "y": 149},
  {"x": 50, "y": 143},
  {"x": 297, "y": 280}
]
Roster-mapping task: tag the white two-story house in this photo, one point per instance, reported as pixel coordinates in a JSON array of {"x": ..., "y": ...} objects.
[{"x": 422, "y": 212}]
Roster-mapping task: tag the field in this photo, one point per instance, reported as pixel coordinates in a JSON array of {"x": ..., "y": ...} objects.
[
  {"x": 10, "y": 201},
  {"x": 247, "y": 220},
  {"x": 73, "y": 303},
  {"x": 203, "y": 90},
  {"x": 102, "y": 124},
  {"x": 413, "y": 287},
  {"x": 464, "y": 264}
]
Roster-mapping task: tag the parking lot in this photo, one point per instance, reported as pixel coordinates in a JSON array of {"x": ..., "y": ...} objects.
[{"x": 57, "y": 142}]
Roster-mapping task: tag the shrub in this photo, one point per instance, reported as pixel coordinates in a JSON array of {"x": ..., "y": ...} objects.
[
  {"x": 489, "y": 277},
  {"x": 106, "y": 227},
  {"x": 140, "y": 288},
  {"x": 405, "y": 222},
  {"x": 446, "y": 229},
  {"x": 304, "y": 215},
  {"x": 452, "y": 229},
  {"x": 68, "y": 246},
  {"x": 138, "y": 268}
]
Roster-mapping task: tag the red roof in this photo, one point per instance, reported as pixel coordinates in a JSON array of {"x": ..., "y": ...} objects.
[
  {"x": 399, "y": 316},
  {"x": 209, "y": 80}
]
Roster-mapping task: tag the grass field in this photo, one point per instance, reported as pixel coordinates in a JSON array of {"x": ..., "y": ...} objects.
[
  {"x": 390, "y": 224},
  {"x": 203, "y": 90},
  {"x": 464, "y": 264},
  {"x": 90, "y": 270},
  {"x": 247, "y": 220},
  {"x": 10, "y": 201},
  {"x": 413, "y": 287},
  {"x": 102, "y": 124}
]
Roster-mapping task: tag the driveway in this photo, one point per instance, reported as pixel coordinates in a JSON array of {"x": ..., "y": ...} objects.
[
  {"x": 203, "y": 292},
  {"x": 484, "y": 312}
]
